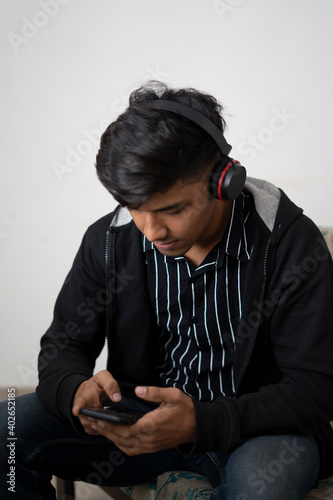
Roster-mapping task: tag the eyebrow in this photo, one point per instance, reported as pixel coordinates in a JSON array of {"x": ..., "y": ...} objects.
[{"x": 167, "y": 207}]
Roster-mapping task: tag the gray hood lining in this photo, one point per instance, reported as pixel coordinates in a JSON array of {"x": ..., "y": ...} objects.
[
  {"x": 121, "y": 218},
  {"x": 266, "y": 198}
]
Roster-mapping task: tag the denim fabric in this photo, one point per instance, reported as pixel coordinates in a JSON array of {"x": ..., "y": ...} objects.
[
  {"x": 266, "y": 467},
  {"x": 283, "y": 467}
]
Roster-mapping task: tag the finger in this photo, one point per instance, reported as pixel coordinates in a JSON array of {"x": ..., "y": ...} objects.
[
  {"x": 89, "y": 397},
  {"x": 80, "y": 402},
  {"x": 132, "y": 447},
  {"x": 158, "y": 394},
  {"x": 90, "y": 425},
  {"x": 122, "y": 436},
  {"x": 87, "y": 394},
  {"x": 109, "y": 384}
]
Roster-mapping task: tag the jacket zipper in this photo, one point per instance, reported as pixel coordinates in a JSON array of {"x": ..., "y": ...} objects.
[
  {"x": 263, "y": 290},
  {"x": 107, "y": 280}
]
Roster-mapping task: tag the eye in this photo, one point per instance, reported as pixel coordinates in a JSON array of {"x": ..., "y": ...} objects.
[{"x": 175, "y": 211}]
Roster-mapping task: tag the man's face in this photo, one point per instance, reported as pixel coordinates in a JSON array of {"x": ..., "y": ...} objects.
[{"x": 183, "y": 216}]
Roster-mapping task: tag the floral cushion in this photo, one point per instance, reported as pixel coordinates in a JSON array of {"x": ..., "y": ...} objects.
[
  {"x": 182, "y": 485},
  {"x": 171, "y": 486},
  {"x": 324, "y": 490},
  {"x": 328, "y": 235},
  {"x": 179, "y": 485}
]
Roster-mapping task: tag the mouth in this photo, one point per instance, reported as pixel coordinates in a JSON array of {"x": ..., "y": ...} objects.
[{"x": 165, "y": 246}]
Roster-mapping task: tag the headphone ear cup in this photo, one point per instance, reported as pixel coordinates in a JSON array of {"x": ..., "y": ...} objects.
[
  {"x": 227, "y": 180},
  {"x": 216, "y": 176}
]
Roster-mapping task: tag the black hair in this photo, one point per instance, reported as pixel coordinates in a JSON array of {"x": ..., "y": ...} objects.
[{"x": 146, "y": 150}]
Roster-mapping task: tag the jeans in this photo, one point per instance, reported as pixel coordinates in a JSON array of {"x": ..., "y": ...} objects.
[{"x": 267, "y": 467}]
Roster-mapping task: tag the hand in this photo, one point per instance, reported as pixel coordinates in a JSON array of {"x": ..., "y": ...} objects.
[
  {"x": 93, "y": 392},
  {"x": 169, "y": 425}
]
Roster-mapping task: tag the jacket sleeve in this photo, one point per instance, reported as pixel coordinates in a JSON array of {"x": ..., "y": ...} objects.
[
  {"x": 298, "y": 320},
  {"x": 76, "y": 336}
]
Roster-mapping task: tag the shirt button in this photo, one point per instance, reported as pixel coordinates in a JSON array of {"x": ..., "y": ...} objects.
[
  {"x": 194, "y": 319},
  {"x": 193, "y": 279}
]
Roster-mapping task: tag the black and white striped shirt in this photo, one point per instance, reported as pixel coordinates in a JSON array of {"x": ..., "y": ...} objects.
[{"x": 198, "y": 308}]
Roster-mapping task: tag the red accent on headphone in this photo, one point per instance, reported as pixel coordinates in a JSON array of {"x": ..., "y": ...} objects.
[{"x": 221, "y": 181}]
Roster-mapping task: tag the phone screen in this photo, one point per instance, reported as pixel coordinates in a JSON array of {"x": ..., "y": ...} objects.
[{"x": 116, "y": 415}]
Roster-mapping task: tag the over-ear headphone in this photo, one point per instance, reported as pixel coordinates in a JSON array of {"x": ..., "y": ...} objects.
[{"x": 228, "y": 177}]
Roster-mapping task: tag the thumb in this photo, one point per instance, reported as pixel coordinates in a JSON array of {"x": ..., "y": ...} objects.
[{"x": 155, "y": 394}]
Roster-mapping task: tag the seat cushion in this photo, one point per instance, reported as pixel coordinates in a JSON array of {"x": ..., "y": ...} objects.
[
  {"x": 324, "y": 490},
  {"x": 188, "y": 485},
  {"x": 172, "y": 485}
]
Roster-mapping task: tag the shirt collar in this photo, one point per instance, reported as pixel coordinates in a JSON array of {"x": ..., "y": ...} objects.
[{"x": 239, "y": 235}]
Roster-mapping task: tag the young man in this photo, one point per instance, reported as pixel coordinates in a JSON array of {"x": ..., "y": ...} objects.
[{"x": 215, "y": 300}]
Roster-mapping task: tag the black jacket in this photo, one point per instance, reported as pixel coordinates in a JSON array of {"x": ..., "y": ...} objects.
[{"x": 284, "y": 343}]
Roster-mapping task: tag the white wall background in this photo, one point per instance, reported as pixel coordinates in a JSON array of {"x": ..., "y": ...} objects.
[{"x": 67, "y": 67}]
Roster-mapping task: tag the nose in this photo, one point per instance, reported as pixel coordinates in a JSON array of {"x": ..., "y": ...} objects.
[{"x": 154, "y": 228}]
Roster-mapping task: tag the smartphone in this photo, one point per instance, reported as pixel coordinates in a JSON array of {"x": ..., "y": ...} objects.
[{"x": 114, "y": 414}]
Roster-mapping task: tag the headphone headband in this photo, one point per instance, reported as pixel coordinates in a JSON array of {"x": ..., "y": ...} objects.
[
  {"x": 228, "y": 176},
  {"x": 196, "y": 117}
]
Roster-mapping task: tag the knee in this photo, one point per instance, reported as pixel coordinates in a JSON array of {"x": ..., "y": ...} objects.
[{"x": 268, "y": 467}]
